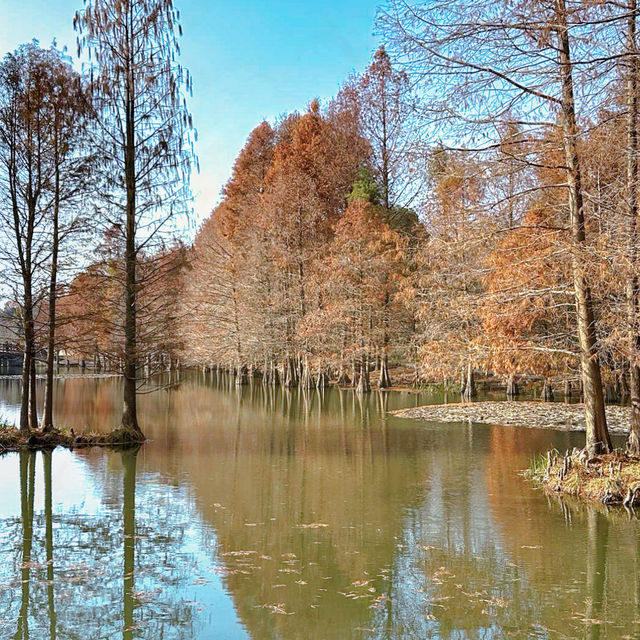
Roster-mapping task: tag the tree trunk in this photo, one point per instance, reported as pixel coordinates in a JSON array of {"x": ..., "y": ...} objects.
[
  {"x": 385, "y": 379},
  {"x": 130, "y": 408},
  {"x": 633, "y": 443},
  {"x": 343, "y": 377},
  {"x": 364, "y": 385},
  {"x": 24, "y": 397},
  {"x": 598, "y": 439},
  {"x": 242, "y": 375},
  {"x": 306, "y": 377},
  {"x": 512, "y": 387},
  {"x": 322, "y": 381},
  {"x": 275, "y": 375},
  {"x": 33, "y": 407},
  {"x": 47, "y": 414},
  {"x": 469, "y": 390},
  {"x": 567, "y": 389}
]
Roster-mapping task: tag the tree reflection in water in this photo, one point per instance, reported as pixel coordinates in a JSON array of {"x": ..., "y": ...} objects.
[
  {"x": 270, "y": 513},
  {"x": 70, "y": 571}
]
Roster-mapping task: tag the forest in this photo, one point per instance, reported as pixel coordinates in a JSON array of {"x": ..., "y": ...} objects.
[
  {"x": 469, "y": 203},
  {"x": 466, "y": 204}
]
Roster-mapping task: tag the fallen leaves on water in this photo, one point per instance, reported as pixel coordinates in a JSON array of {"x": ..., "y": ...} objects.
[
  {"x": 379, "y": 601},
  {"x": 278, "y": 609}
]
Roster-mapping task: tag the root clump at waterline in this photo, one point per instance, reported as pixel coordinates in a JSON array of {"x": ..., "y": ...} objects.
[
  {"x": 611, "y": 478},
  {"x": 12, "y": 439}
]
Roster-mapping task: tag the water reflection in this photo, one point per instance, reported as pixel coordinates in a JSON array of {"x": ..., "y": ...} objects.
[
  {"x": 267, "y": 513},
  {"x": 27, "y": 488},
  {"x": 48, "y": 516},
  {"x": 129, "y": 519}
]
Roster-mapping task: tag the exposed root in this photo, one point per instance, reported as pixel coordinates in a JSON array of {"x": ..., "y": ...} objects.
[{"x": 612, "y": 478}]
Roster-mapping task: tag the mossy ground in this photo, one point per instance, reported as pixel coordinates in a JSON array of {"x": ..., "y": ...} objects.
[
  {"x": 11, "y": 439},
  {"x": 612, "y": 478}
]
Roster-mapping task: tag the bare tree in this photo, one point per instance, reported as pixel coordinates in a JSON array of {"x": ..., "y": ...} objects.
[
  {"x": 144, "y": 136},
  {"x": 496, "y": 63}
]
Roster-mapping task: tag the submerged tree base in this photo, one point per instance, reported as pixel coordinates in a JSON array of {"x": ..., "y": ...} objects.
[
  {"x": 612, "y": 478},
  {"x": 11, "y": 439}
]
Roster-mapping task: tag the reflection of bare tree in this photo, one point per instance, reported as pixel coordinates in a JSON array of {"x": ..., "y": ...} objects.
[
  {"x": 48, "y": 514},
  {"x": 27, "y": 488},
  {"x": 597, "y": 540},
  {"x": 129, "y": 457},
  {"x": 90, "y": 592}
]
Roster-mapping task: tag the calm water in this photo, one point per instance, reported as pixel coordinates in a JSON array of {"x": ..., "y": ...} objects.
[{"x": 275, "y": 514}]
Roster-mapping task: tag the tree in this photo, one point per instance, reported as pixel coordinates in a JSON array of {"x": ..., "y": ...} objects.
[
  {"x": 71, "y": 114},
  {"x": 632, "y": 288},
  {"x": 360, "y": 316},
  {"x": 144, "y": 135},
  {"x": 43, "y": 112},
  {"x": 447, "y": 285},
  {"x": 386, "y": 106},
  {"x": 497, "y": 63}
]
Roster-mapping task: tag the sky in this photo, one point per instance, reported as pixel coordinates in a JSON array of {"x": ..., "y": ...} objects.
[{"x": 250, "y": 60}]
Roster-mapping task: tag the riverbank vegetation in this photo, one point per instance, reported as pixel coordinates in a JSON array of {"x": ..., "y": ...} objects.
[
  {"x": 612, "y": 479},
  {"x": 92, "y": 164}
]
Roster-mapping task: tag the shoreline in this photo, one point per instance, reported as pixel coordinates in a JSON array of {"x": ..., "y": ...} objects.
[
  {"x": 529, "y": 414},
  {"x": 12, "y": 440},
  {"x": 610, "y": 479}
]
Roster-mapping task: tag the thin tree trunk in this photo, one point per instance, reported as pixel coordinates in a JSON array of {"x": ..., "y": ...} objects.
[
  {"x": 33, "y": 407},
  {"x": 512, "y": 387},
  {"x": 24, "y": 397},
  {"x": 469, "y": 390},
  {"x": 633, "y": 443},
  {"x": 47, "y": 414},
  {"x": 385, "y": 379},
  {"x": 598, "y": 439},
  {"x": 364, "y": 384},
  {"x": 130, "y": 408}
]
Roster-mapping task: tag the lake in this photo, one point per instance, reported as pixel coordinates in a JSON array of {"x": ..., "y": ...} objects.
[{"x": 268, "y": 513}]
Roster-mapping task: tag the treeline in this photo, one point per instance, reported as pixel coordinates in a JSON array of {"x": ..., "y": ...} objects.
[
  {"x": 296, "y": 274},
  {"x": 472, "y": 206}
]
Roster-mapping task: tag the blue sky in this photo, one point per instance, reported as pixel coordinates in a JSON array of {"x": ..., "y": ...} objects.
[{"x": 250, "y": 60}]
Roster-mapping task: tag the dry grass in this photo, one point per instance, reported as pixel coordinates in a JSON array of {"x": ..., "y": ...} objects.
[
  {"x": 12, "y": 440},
  {"x": 612, "y": 478}
]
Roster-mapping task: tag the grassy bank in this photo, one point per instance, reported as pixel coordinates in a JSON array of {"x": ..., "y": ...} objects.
[
  {"x": 612, "y": 478},
  {"x": 11, "y": 439}
]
